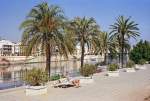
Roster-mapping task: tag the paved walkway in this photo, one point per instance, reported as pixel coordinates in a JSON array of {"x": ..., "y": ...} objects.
[{"x": 127, "y": 87}]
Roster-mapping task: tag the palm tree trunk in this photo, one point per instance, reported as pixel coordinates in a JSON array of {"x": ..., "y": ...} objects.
[
  {"x": 122, "y": 51},
  {"x": 119, "y": 51},
  {"x": 105, "y": 57},
  {"x": 119, "y": 57},
  {"x": 48, "y": 58},
  {"x": 82, "y": 55}
]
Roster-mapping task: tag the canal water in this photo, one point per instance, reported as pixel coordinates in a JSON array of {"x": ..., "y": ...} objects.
[{"x": 11, "y": 76}]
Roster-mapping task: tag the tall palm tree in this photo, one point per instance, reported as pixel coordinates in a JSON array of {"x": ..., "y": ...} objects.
[
  {"x": 123, "y": 29},
  {"x": 84, "y": 29},
  {"x": 44, "y": 26}
]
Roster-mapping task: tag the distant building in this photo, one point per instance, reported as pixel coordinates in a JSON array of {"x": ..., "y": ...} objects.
[
  {"x": 8, "y": 48},
  {"x": 87, "y": 51}
]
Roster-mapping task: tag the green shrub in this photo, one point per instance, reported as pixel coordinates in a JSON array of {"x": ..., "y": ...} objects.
[
  {"x": 142, "y": 62},
  {"x": 113, "y": 67},
  {"x": 88, "y": 69},
  {"x": 140, "y": 51},
  {"x": 130, "y": 64},
  {"x": 55, "y": 77},
  {"x": 36, "y": 77}
]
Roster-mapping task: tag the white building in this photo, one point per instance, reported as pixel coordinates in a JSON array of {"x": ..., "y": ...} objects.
[
  {"x": 86, "y": 51},
  {"x": 8, "y": 48}
]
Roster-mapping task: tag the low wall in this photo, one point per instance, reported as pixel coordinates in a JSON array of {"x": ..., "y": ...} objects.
[{"x": 14, "y": 58}]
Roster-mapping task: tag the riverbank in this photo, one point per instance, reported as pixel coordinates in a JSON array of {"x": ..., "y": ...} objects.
[
  {"x": 35, "y": 59},
  {"x": 127, "y": 87}
]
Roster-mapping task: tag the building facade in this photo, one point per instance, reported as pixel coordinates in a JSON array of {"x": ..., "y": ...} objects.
[{"x": 8, "y": 48}]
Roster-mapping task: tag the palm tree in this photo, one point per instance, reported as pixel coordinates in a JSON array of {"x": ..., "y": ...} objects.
[
  {"x": 122, "y": 30},
  {"x": 84, "y": 29},
  {"x": 117, "y": 42},
  {"x": 44, "y": 26},
  {"x": 104, "y": 44}
]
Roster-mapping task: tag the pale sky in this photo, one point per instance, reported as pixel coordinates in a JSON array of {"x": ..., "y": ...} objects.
[{"x": 13, "y": 12}]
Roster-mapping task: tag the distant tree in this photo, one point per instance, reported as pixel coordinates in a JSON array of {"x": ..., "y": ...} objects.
[
  {"x": 140, "y": 51},
  {"x": 104, "y": 44}
]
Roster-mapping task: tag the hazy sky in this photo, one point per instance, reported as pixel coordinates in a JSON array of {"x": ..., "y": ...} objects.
[{"x": 13, "y": 12}]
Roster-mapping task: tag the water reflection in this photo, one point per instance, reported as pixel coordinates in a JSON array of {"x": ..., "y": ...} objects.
[
  {"x": 14, "y": 71},
  {"x": 12, "y": 75}
]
